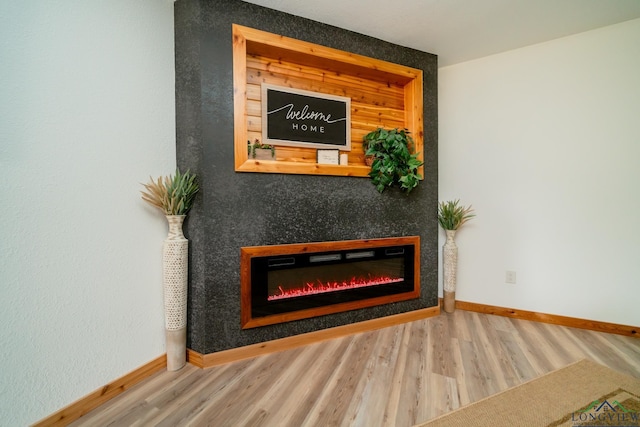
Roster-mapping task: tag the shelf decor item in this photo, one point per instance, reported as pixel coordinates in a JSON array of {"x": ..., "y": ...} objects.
[
  {"x": 328, "y": 157},
  {"x": 174, "y": 195},
  {"x": 260, "y": 151},
  {"x": 451, "y": 217}
]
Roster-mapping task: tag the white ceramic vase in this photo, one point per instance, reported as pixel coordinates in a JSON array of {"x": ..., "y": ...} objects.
[
  {"x": 175, "y": 272},
  {"x": 449, "y": 267}
]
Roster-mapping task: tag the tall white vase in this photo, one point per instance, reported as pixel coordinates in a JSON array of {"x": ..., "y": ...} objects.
[
  {"x": 450, "y": 265},
  {"x": 175, "y": 272}
]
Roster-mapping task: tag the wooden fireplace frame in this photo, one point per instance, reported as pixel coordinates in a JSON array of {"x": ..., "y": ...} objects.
[{"x": 247, "y": 253}]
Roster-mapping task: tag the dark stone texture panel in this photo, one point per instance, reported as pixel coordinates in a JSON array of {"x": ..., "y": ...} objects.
[{"x": 247, "y": 209}]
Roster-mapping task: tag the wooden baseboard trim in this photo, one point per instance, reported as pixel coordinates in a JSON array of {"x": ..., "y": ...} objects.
[
  {"x": 247, "y": 352},
  {"x": 91, "y": 401},
  {"x": 573, "y": 322}
]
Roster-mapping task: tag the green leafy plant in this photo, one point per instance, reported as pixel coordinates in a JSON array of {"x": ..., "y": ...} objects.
[
  {"x": 251, "y": 148},
  {"x": 174, "y": 195},
  {"x": 451, "y": 215},
  {"x": 394, "y": 163}
]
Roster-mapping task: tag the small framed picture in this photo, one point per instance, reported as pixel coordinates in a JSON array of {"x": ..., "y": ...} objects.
[{"x": 328, "y": 157}]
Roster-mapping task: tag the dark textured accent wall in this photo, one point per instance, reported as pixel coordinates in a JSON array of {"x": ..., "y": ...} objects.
[{"x": 247, "y": 209}]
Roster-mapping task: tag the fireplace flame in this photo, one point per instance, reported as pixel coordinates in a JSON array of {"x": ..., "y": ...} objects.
[{"x": 311, "y": 288}]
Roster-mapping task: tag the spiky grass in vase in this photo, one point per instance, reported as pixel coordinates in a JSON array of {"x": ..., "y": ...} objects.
[
  {"x": 173, "y": 195},
  {"x": 452, "y": 216}
]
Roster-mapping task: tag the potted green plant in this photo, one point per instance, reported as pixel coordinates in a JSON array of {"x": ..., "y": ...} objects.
[
  {"x": 394, "y": 162},
  {"x": 451, "y": 216},
  {"x": 261, "y": 151},
  {"x": 174, "y": 195}
]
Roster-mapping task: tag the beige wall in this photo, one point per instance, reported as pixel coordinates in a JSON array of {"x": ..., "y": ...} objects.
[
  {"x": 544, "y": 141},
  {"x": 87, "y": 113}
]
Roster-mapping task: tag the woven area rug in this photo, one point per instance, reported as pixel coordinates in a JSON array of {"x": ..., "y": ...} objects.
[{"x": 581, "y": 394}]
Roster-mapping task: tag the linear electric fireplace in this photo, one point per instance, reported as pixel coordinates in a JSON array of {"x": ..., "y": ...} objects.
[{"x": 297, "y": 281}]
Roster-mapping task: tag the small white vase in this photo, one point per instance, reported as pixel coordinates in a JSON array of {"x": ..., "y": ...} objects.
[
  {"x": 449, "y": 267},
  {"x": 175, "y": 272}
]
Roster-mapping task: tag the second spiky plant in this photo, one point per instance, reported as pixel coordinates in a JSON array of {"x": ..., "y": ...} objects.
[{"x": 452, "y": 215}]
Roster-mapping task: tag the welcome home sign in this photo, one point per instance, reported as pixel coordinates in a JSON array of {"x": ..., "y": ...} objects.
[{"x": 301, "y": 118}]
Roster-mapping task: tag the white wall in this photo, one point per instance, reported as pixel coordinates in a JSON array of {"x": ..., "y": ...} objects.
[
  {"x": 544, "y": 142},
  {"x": 87, "y": 114}
]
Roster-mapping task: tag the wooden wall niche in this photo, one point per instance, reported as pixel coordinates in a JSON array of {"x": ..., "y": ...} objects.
[{"x": 382, "y": 94}]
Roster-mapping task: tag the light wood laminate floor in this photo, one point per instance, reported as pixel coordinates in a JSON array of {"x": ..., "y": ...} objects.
[{"x": 397, "y": 376}]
